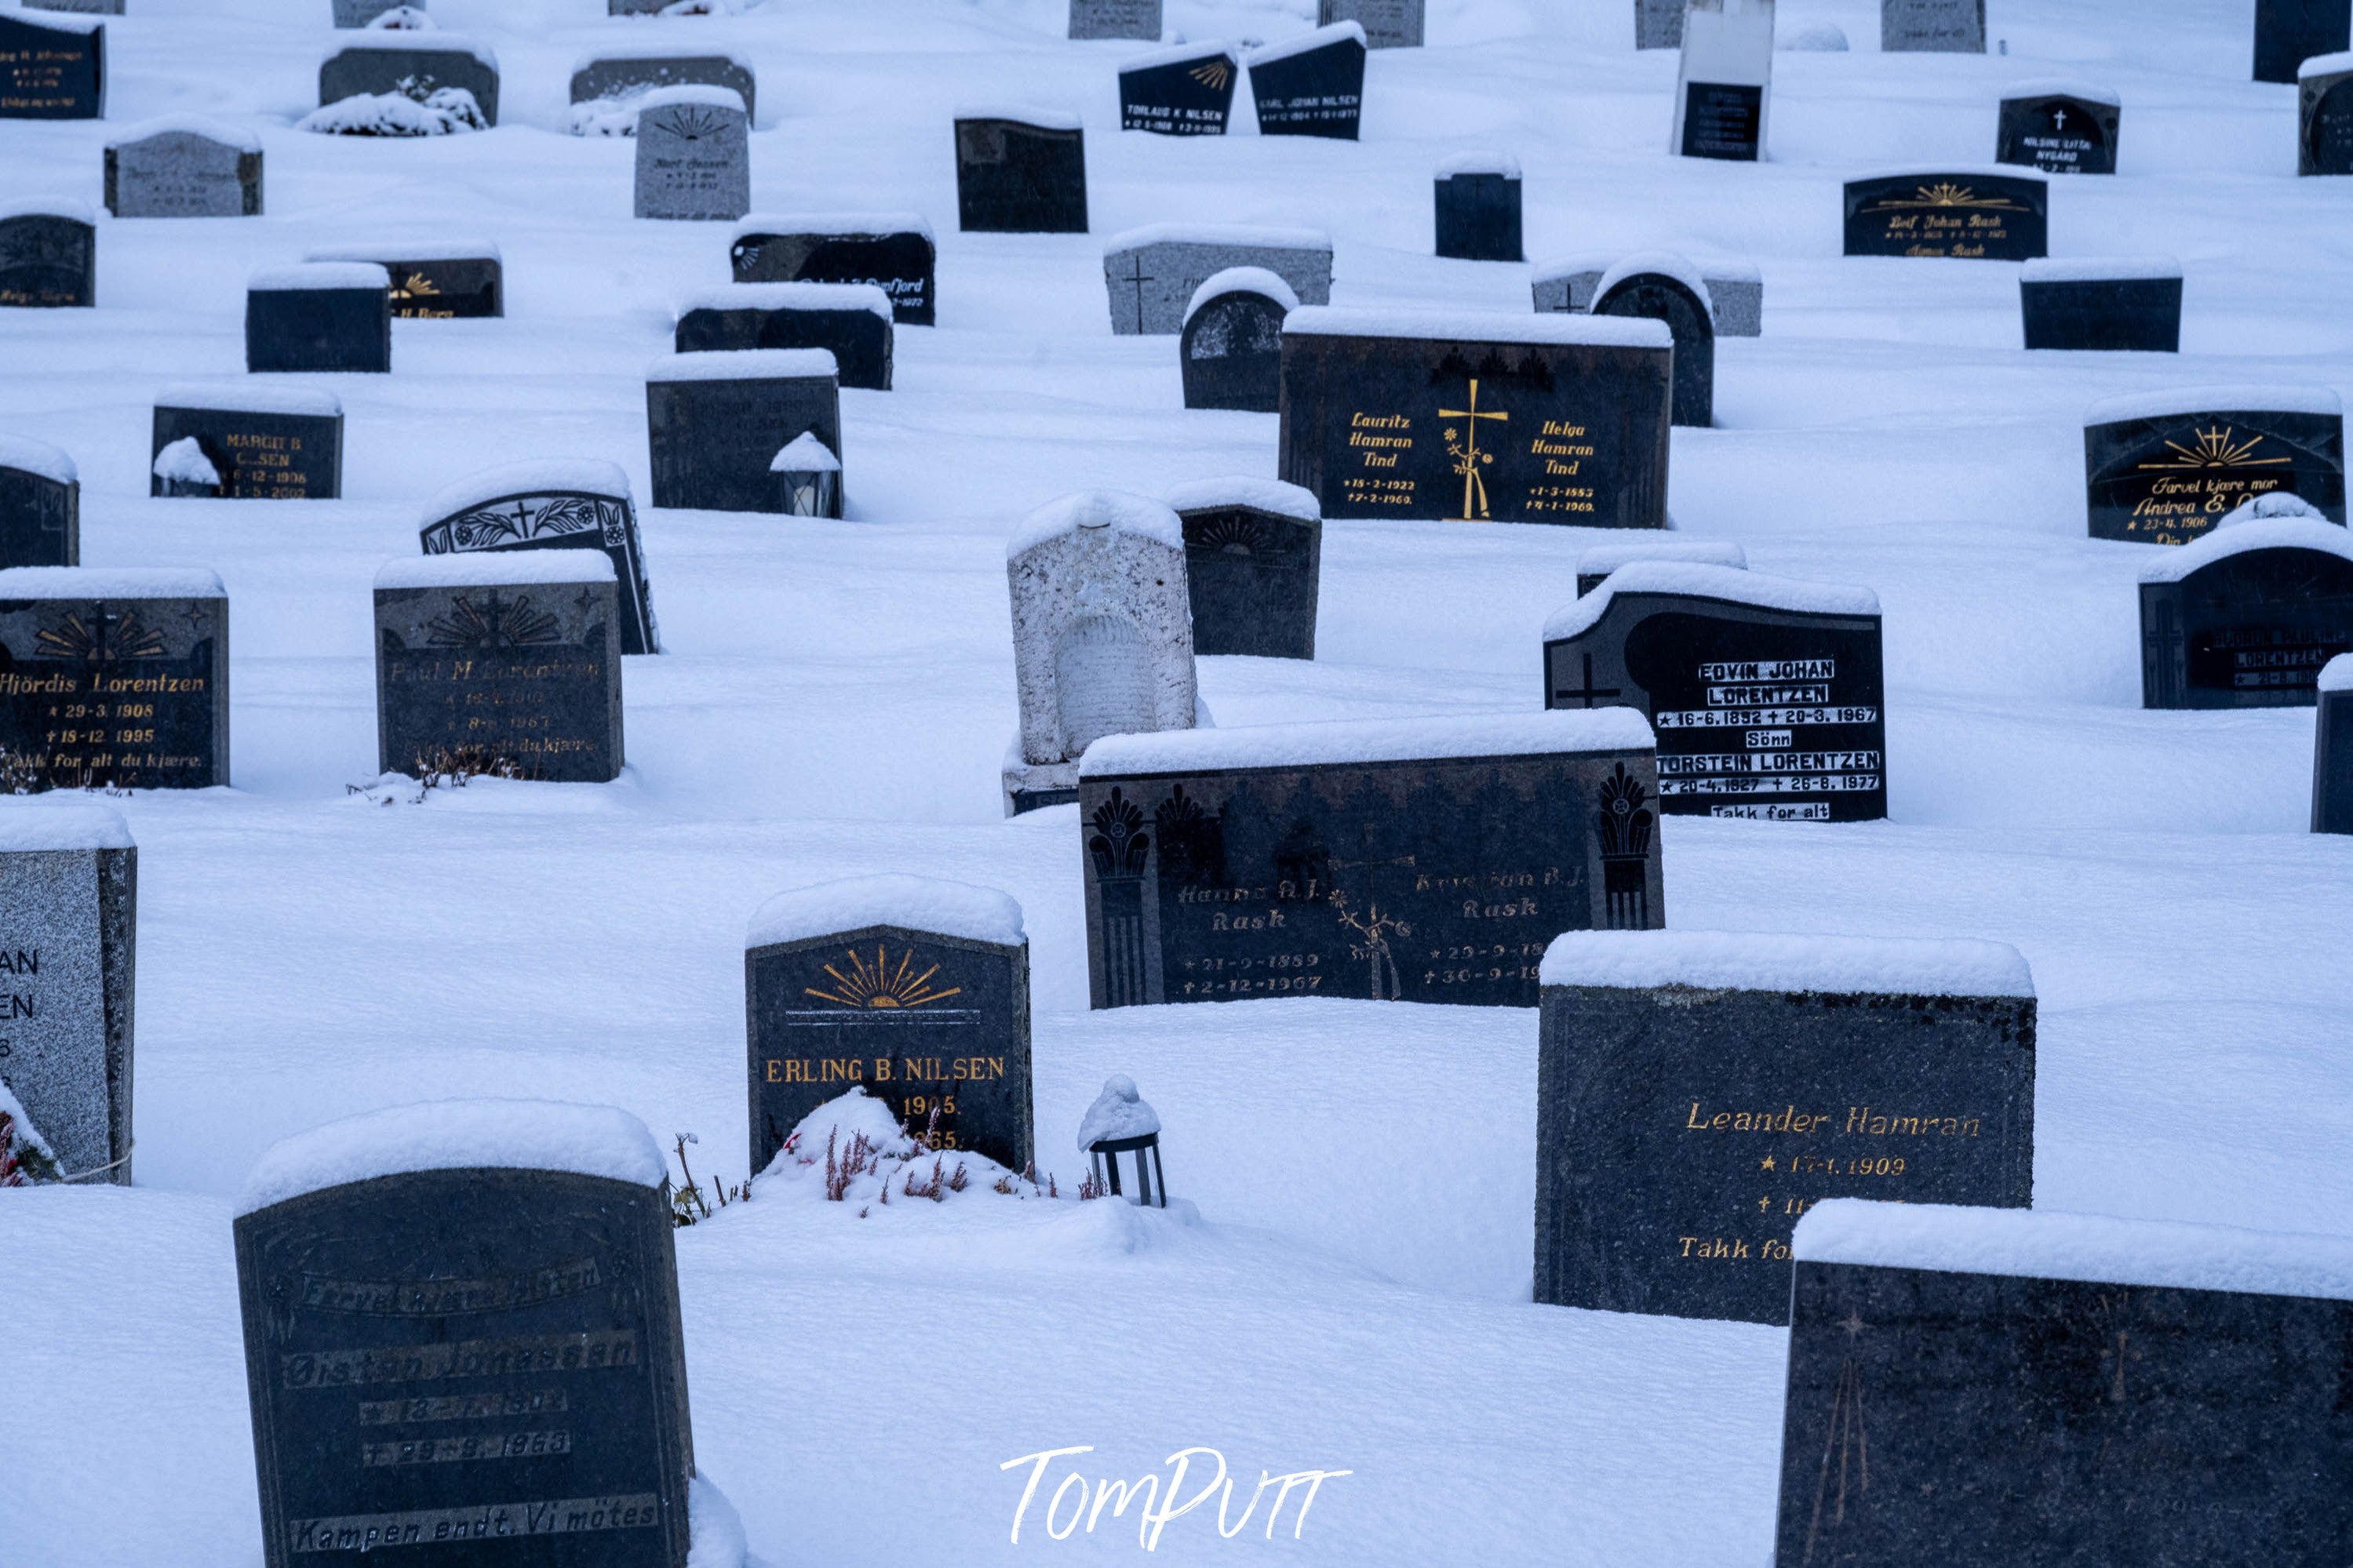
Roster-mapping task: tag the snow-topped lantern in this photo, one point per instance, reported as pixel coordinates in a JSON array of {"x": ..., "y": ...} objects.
[
  {"x": 1121, "y": 1122},
  {"x": 810, "y": 476},
  {"x": 185, "y": 471}
]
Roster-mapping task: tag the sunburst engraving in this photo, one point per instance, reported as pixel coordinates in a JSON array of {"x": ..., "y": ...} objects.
[
  {"x": 100, "y": 638},
  {"x": 1947, "y": 193},
  {"x": 877, "y": 984},
  {"x": 692, "y": 122},
  {"x": 1212, "y": 74},
  {"x": 416, "y": 286},
  {"x": 2216, "y": 448},
  {"x": 496, "y": 622}
]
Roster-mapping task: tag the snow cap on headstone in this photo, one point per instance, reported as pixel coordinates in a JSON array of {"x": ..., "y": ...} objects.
[
  {"x": 1118, "y": 1112},
  {"x": 457, "y": 1135},
  {"x": 931, "y": 904},
  {"x": 1098, "y": 508}
]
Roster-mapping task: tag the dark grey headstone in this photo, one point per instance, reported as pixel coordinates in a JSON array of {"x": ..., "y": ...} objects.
[
  {"x": 926, "y": 1020},
  {"x": 1115, "y": 19},
  {"x": 1231, "y": 348},
  {"x": 1014, "y": 177},
  {"x": 851, "y": 321},
  {"x": 1697, "y": 1092},
  {"x": 1722, "y": 120},
  {"x": 510, "y": 662},
  {"x": 2136, "y": 314},
  {"x": 1662, "y": 295},
  {"x": 694, "y": 155},
  {"x": 51, "y": 70},
  {"x": 2332, "y": 750},
  {"x": 892, "y": 251},
  {"x": 636, "y": 7},
  {"x": 2247, "y": 617},
  {"x": 2168, "y": 477},
  {"x": 2290, "y": 32},
  {"x": 1385, "y": 415},
  {"x": 47, "y": 260},
  {"x": 261, "y": 454},
  {"x": 714, "y": 428},
  {"x": 294, "y": 323},
  {"x": 1388, "y": 23},
  {"x": 1313, "y": 91},
  {"x": 446, "y": 283},
  {"x": 614, "y": 75},
  {"x": 1190, "y": 94},
  {"x": 486, "y": 1364},
  {"x": 83, "y": 7},
  {"x": 414, "y": 69},
  {"x": 360, "y": 13},
  {"x": 1762, "y": 712},
  {"x": 1658, "y": 24},
  {"x": 69, "y": 937},
  {"x": 115, "y": 678},
  {"x": 1943, "y": 27},
  {"x": 175, "y": 172},
  {"x": 40, "y": 505},
  {"x": 1435, "y": 879},
  {"x": 2058, "y": 132},
  {"x": 1251, "y": 571},
  {"x": 1479, "y": 216},
  {"x": 2325, "y": 141},
  {"x": 516, "y": 509},
  {"x": 1990, "y": 217}
]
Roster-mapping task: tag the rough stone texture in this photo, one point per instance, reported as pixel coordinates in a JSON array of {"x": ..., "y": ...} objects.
[
  {"x": 1772, "y": 714},
  {"x": 2058, "y": 134},
  {"x": 51, "y": 73},
  {"x": 318, "y": 330},
  {"x": 1231, "y": 354},
  {"x": 1989, "y": 218},
  {"x": 1738, "y": 302},
  {"x": 694, "y": 162},
  {"x": 1319, "y": 92},
  {"x": 48, "y": 260},
  {"x": 2324, "y": 139},
  {"x": 1115, "y": 19},
  {"x": 1013, "y": 178},
  {"x": 1943, "y": 27},
  {"x": 66, "y": 1014},
  {"x": 713, "y": 440},
  {"x": 1150, "y": 285},
  {"x": 40, "y": 520},
  {"x": 2046, "y": 1423},
  {"x": 2250, "y": 630},
  {"x": 182, "y": 174},
  {"x": 370, "y": 69},
  {"x": 860, "y": 341},
  {"x": 1251, "y": 576},
  {"x": 1647, "y": 1203},
  {"x": 394, "y": 1322},
  {"x": 2141, "y": 314},
  {"x": 621, "y": 75},
  {"x": 2332, "y": 764},
  {"x": 1662, "y": 298},
  {"x": 1366, "y": 880},
  {"x": 562, "y": 519},
  {"x": 926, "y": 1022},
  {"x": 360, "y": 13},
  {"x": 1191, "y": 97},
  {"x": 1388, "y": 23},
  {"x": 901, "y": 264},
  {"x": 151, "y": 674},
  {"x": 85, "y": 7},
  {"x": 260, "y": 456},
  {"x": 2290, "y": 32},
  {"x": 1477, "y": 218},
  {"x": 2168, "y": 479},
  {"x": 1658, "y": 24}
]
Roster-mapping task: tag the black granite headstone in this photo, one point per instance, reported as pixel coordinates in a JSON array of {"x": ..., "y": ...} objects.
[
  {"x": 412, "y": 66},
  {"x": 47, "y": 259},
  {"x": 1253, "y": 562},
  {"x": 2058, "y": 131},
  {"x": 928, "y": 1020},
  {"x": 1479, "y": 214},
  {"x": 2134, "y": 309},
  {"x": 2247, "y": 617},
  {"x": 115, "y": 678},
  {"x": 40, "y": 505},
  {"x": 2332, "y": 749},
  {"x": 2290, "y": 32},
  {"x": 851, "y": 321},
  {"x": 1675, "y": 297},
  {"x": 1722, "y": 120},
  {"x": 893, "y": 251},
  {"x": 2324, "y": 107},
  {"x": 1015, "y": 176},
  {"x": 1763, "y": 709},
  {"x": 1697, "y": 1092},
  {"x": 1991, "y": 217},
  {"x": 715, "y": 422},
  {"x": 278, "y": 444},
  {"x": 1231, "y": 348},
  {"x": 1313, "y": 86},
  {"x": 2165, "y": 473},
  {"x": 1398, "y": 414},
  {"x": 1184, "y": 91},
  {"x": 485, "y": 1364},
  {"x": 1424, "y": 861},
  {"x": 322, "y": 316},
  {"x": 433, "y": 282},
  {"x": 51, "y": 68},
  {"x": 610, "y": 76},
  {"x": 535, "y": 506}
]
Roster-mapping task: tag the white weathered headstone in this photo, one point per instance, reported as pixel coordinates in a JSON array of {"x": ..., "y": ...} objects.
[
  {"x": 694, "y": 155},
  {"x": 1724, "y": 92},
  {"x": 1115, "y": 19},
  {"x": 1388, "y": 23}
]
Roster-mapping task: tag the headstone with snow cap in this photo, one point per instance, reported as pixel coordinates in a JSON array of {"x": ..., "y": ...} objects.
[
  {"x": 1115, "y": 19},
  {"x": 1020, "y": 171},
  {"x": 2247, "y": 616},
  {"x": 1696, "y": 1091},
  {"x": 115, "y": 677},
  {"x": 850, "y": 320},
  {"x": 1103, "y": 636},
  {"x": 463, "y": 1334},
  {"x": 1593, "y": 565},
  {"x": 917, "y": 989},
  {"x": 1419, "y": 861},
  {"x": 319, "y": 316},
  {"x": 48, "y": 253},
  {"x": 1658, "y": 285},
  {"x": 1977, "y": 217},
  {"x": 85, "y": 7},
  {"x": 1478, "y": 415},
  {"x": 433, "y": 280},
  {"x": 893, "y": 251},
  {"x": 1722, "y": 93},
  {"x": 2045, "y": 1388},
  {"x": 1186, "y": 90},
  {"x": 502, "y": 662},
  {"x": 1658, "y": 24},
  {"x": 68, "y": 947},
  {"x": 694, "y": 158},
  {"x": 1253, "y": 561},
  {"x": 2290, "y": 32},
  {"x": 404, "y": 19},
  {"x": 40, "y": 505},
  {"x": 51, "y": 68},
  {"x": 1735, "y": 289},
  {"x": 360, "y": 13},
  {"x": 808, "y": 477},
  {"x": 1231, "y": 348},
  {"x": 1768, "y": 695},
  {"x": 716, "y": 421},
  {"x": 1942, "y": 26},
  {"x": 1312, "y": 84},
  {"x": 1478, "y": 198},
  {"x": 2163, "y": 468},
  {"x": 580, "y": 503},
  {"x": 259, "y": 442},
  {"x": 1152, "y": 273},
  {"x": 2332, "y": 748},
  {"x": 2117, "y": 303},
  {"x": 2324, "y": 106},
  {"x": 2059, "y": 127},
  {"x": 414, "y": 65},
  {"x": 184, "y": 168},
  {"x": 1388, "y": 23},
  {"x": 616, "y": 79}
]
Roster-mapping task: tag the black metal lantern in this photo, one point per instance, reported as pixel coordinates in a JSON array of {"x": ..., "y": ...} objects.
[
  {"x": 1121, "y": 1122},
  {"x": 810, "y": 477},
  {"x": 1151, "y": 1185}
]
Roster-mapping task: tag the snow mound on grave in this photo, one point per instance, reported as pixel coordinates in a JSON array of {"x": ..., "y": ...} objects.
[
  {"x": 251, "y": 396},
  {"x": 385, "y": 252},
  {"x": 1343, "y": 741},
  {"x": 1480, "y": 327},
  {"x": 2279, "y": 503},
  {"x": 1603, "y": 559},
  {"x": 2256, "y": 534},
  {"x": 533, "y": 476},
  {"x": 31, "y": 456},
  {"x": 2061, "y": 87},
  {"x": 1036, "y": 116},
  {"x": 2098, "y": 268},
  {"x": 2325, "y": 65},
  {"x": 1118, "y": 1112},
  {"x": 917, "y": 904},
  {"x": 183, "y": 462},
  {"x": 706, "y": 94},
  {"x": 110, "y": 583},
  {"x": 1242, "y": 280},
  {"x": 1502, "y": 163},
  {"x": 1321, "y": 37},
  {"x": 716, "y": 1531},
  {"x": 1788, "y": 962},
  {"x": 1265, "y": 236},
  {"x": 44, "y": 822},
  {"x": 34, "y": 1162},
  {"x": 1247, "y": 489},
  {"x": 306, "y": 275},
  {"x": 186, "y": 125},
  {"x": 871, "y": 297},
  {"x": 852, "y": 1152},
  {"x": 403, "y": 19},
  {"x": 2240, "y": 398},
  {"x": 2337, "y": 675},
  {"x": 1098, "y": 508},
  {"x": 499, "y": 568},
  {"x": 457, "y": 1135},
  {"x": 2094, "y": 1248},
  {"x": 1825, "y": 37},
  {"x": 742, "y": 364},
  {"x": 445, "y": 112},
  {"x": 833, "y": 223},
  {"x": 1699, "y": 581}
]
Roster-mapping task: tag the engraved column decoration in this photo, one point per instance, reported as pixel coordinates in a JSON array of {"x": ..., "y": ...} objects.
[
  {"x": 1624, "y": 825},
  {"x": 1119, "y": 847}
]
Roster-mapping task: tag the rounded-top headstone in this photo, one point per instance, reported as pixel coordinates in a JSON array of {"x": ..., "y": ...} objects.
[
  {"x": 1664, "y": 287},
  {"x": 1594, "y": 564},
  {"x": 182, "y": 167},
  {"x": 40, "y": 504},
  {"x": 2059, "y": 127},
  {"x": 2249, "y": 614},
  {"x": 48, "y": 252},
  {"x": 551, "y": 503},
  {"x": 1231, "y": 346},
  {"x": 2325, "y": 110},
  {"x": 693, "y": 153},
  {"x": 2161, "y": 468}
]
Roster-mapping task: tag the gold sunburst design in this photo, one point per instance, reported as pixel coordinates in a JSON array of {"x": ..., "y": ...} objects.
[
  {"x": 1947, "y": 193},
  {"x": 1212, "y": 74},
  {"x": 125, "y": 638},
  {"x": 878, "y": 985},
  {"x": 416, "y": 286},
  {"x": 2215, "y": 450}
]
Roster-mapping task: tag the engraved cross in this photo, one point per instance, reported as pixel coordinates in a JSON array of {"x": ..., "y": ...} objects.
[
  {"x": 1469, "y": 457},
  {"x": 1586, "y": 693}
]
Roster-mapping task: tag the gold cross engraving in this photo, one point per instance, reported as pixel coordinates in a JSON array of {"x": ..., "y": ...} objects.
[{"x": 1467, "y": 455}]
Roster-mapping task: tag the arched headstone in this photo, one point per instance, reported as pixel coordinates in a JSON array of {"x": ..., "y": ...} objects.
[
  {"x": 48, "y": 253},
  {"x": 2324, "y": 106},
  {"x": 1231, "y": 348},
  {"x": 1665, "y": 288},
  {"x": 40, "y": 505},
  {"x": 2059, "y": 127},
  {"x": 693, "y": 154},
  {"x": 2247, "y": 616},
  {"x": 184, "y": 168},
  {"x": 578, "y": 503},
  {"x": 2163, "y": 468}
]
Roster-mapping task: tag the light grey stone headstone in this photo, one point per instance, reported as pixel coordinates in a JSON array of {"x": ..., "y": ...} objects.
[
  {"x": 360, "y": 13},
  {"x": 87, "y": 7},
  {"x": 1944, "y": 27},
  {"x": 1658, "y": 23},
  {"x": 694, "y": 155},
  {"x": 1738, "y": 298},
  {"x": 1388, "y": 23},
  {"x": 1151, "y": 279},
  {"x": 1569, "y": 290},
  {"x": 1115, "y": 19},
  {"x": 183, "y": 173},
  {"x": 68, "y": 919}
]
